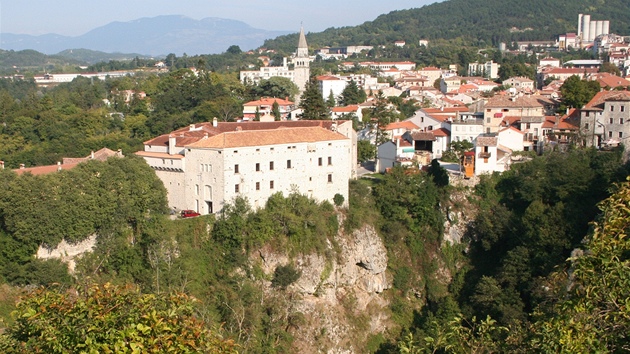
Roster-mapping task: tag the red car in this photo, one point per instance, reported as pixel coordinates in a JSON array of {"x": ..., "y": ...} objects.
[{"x": 189, "y": 214}]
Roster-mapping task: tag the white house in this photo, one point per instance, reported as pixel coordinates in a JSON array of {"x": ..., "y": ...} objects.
[
  {"x": 511, "y": 138},
  {"x": 264, "y": 106},
  {"x": 490, "y": 156},
  {"x": 520, "y": 83},
  {"x": 207, "y": 165},
  {"x": 346, "y": 112},
  {"x": 329, "y": 83}
]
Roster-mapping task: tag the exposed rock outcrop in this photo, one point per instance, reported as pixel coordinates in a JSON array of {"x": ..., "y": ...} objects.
[
  {"x": 68, "y": 252},
  {"x": 341, "y": 295}
]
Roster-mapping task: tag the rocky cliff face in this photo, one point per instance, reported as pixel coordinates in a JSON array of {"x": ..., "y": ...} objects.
[
  {"x": 340, "y": 298},
  {"x": 67, "y": 252}
]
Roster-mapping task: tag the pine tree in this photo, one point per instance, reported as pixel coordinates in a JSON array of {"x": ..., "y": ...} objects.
[
  {"x": 312, "y": 102},
  {"x": 352, "y": 94},
  {"x": 275, "y": 110},
  {"x": 331, "y": 100}
]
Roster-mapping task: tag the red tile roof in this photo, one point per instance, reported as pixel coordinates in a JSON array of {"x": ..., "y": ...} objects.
[
  {"x": 185, "y": 136},
  {"x": 596, "y": 103},
  {"x": 609, "y": 80},
  {"x": 445, "y": 110},
  {"x": 43, "y": 170},
  {"x": 244, "y": 138},
  {"x": 346, "y": 109},
  {"x": 406, "y": 124},
  {"x": 442, "y": 132},
  {"x": 268, "y": 101}
]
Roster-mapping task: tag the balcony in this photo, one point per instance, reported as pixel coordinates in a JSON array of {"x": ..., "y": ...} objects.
[{"x": 484, "y": 155}]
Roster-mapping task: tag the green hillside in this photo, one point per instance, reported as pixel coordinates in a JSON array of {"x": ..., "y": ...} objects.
[{"x": 481, "y": 22}]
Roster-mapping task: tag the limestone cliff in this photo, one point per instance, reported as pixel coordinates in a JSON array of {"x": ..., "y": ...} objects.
[{"x": 341, "y": 298}]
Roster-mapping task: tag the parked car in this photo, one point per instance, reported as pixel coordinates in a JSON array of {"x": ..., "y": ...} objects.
[{"x": 189, "y": 214}]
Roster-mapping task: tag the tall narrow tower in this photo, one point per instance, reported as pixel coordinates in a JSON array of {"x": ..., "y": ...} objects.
[{"x": 301, "y": 63}]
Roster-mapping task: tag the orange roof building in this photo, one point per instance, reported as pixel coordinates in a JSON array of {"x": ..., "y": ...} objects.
[{"x": 207, "y": 165}]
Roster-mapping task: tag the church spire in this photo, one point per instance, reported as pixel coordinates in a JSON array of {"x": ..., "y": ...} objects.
[{"x": 302, "y": 49}]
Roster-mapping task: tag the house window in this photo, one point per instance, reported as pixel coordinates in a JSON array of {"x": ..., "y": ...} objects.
[
  {"x": 208, "y": 192},
  {"x": 288, "y": 163},
  {"x": 610, "y": 121},
  {"x": 270, "y": 184},
  {"x": 257, "y": 166},
  {"x": 621, "y": 134},
  {"x": 196, "y": 189},
  {"x": 585, "y": 125},
  {"x": 620, "y": 120},
  {"x": 236, "y": 168},
  {"x": 587, "y": 114},
  {"x": 330, "y": 178},
  {"x": 257, "y": 186},
  {"x": 319, "y": 161},
  {"x": 610, "y": 134},
  {"x": 612, "y": 108},
  {"x": 237, "y": 188},
  {"x": 622, "y": 108},
  {"x": 270, "y": 165},
  {"x": 329, "y": 160}
]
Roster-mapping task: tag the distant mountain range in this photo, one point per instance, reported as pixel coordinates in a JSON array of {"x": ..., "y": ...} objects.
[{"x": 155, "y": 36}]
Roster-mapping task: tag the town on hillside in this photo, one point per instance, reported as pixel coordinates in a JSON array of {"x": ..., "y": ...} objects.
[{"x": 399, "y": 114}]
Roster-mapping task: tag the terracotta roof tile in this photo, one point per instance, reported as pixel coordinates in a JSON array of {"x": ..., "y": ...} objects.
[
  {"x": 245, "y": 138},
  {"x": 596, "y": 103},
  {"x": 399, "y": 125},
  {"x": 185, "y": 136},
  {"x": 442, "y": 132},
  {"x": 487, "y": 141}
]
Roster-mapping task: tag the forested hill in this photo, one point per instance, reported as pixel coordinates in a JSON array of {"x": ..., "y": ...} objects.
[{"x": 482, "y": 22}]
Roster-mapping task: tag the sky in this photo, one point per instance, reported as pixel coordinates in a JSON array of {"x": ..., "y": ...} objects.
[{"x": 76, "y": 17}]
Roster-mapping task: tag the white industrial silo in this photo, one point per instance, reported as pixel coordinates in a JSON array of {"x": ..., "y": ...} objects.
[
  {"x": 606, "y": 29},
  {"x": 599, "y": 28},
  {"x": 586, "y": 19},
  {"x": 592, "y": 30}
]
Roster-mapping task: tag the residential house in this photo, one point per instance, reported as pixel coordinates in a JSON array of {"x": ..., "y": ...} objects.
[
  {"x": 520, "y": 83},
  {"x": 500, "y": 106},
  {"x": 605, "y": 120},
  {"x": 344, "y": 113},
  {"x": 330, "y": 83},
  {"x": 431, "y": 73},
  {"x": 397, "y": 129},
  {"x": 490, "y": 156},
  {"x": 264, "y": 106},
  {"x": 488, "y": 69}
]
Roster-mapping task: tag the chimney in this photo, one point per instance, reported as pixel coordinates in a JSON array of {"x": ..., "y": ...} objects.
[
  {"x": 192, "y": 127},
  {"x": 22, "y": 166},
  {"x": 92, "y": 154},
  {"x": 215, "y": 122},
  {"x": 1, "y": 165},
  {"x": 59, "y": 163},
  {"x": 171, "y": 144}
]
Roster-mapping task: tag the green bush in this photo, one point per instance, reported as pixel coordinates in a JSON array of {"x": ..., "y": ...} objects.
[
  {"x": 284, "y": 276},
  {"x": 338, "y": 199}
]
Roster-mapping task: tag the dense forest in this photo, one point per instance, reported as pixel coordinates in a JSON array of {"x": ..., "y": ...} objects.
[{"x": 477, "y": 22}]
